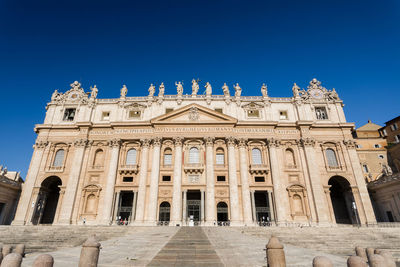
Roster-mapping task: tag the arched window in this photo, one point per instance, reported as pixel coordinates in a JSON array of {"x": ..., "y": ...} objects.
[
  {"x": 220, "y": 157},
  {"x": 256, "y": 156},
  {"x": 59, "y": 158},
  {"x": 289, "y": 157},
  {"x": 331, "y": 157},
  {"x": 98, "y": 158},
  {"x": 194, "y": 156},
  {"x": 168, "y": 156},
  {"x": 131, "y": 157}
]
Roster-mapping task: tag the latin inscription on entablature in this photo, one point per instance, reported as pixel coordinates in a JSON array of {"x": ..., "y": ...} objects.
[{"x": 193, "y": 130}]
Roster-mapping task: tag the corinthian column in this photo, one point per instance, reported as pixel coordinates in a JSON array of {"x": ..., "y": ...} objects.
[
  {"x": 244, "y": 177},
  {"x": 68, "y": 201},
  {"x": 177, "y": 193},
  {"x": 110, "y": 182},
  {"x": 155, "y": 169},
  {"x": 24, "y": 202},
  {"x": 233, "y": 184},
  {"x": 210, "y": 190},
  {"x": 321, "y": 205},
  {"x": 279, "y": 192},
  {"x": 362, "y": 188},
  {"x": 142, "y": 181}
]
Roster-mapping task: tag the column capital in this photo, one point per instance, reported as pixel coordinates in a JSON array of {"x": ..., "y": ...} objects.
[
  {"x": 157, "y": 141},
  {"x": 209, "y": 140},
  {"x": 307, "y": 141},
  {"x": 242, "y": 142},
  {"x": 145, "y": 142},
  {"x": 231, "y": 140},
  {"x": 114, "y": 142},
  {"x": 39, "y": 144},
  {"x": 273, "y": 142},
  {"x": 81, "y": 142},
  {"x": 350, "y": 144},
  {"x": 178, "y": 140}
]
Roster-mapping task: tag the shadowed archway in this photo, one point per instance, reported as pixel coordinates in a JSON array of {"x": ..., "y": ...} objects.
[{"x": 342, "y": 199}]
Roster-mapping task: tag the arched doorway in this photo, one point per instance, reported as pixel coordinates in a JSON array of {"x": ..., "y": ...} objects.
[
  {"x": 164, "y": 215},
  {"x": 222, "y": 212},
  {"x": 47, "y": 201},
  {"x": 342, "y": 201}
]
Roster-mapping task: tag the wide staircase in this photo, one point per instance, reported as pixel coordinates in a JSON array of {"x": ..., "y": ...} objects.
[{"x": 339, "y": 240}]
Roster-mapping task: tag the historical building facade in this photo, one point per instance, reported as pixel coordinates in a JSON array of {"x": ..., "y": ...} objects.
[
  {"x": 10, "y": 190},
  {"x": 190, "y": 158}
]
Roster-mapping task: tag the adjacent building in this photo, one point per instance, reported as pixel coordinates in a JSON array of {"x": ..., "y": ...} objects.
[
  {"x": 10, "y": 189},
  {"x": 195, "y": 158}
]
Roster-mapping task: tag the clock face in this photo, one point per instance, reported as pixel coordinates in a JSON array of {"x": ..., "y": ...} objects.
[{"x": 316, "y": 93}]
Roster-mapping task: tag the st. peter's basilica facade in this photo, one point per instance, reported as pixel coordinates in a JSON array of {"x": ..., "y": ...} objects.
[{"x": 200, "y": 159}]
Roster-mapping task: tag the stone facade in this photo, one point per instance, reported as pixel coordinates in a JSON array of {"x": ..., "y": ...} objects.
[
  {"x": 10, "y": 189},
  {"x": 203, "y": 159},
  {"x": 391, "y": 131}
]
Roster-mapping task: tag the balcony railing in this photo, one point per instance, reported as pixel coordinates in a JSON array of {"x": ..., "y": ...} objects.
[
  {"x": 128, "y": 169},
  {"x": 259, "y": 169},
  {"x": 193, "y": 167}
]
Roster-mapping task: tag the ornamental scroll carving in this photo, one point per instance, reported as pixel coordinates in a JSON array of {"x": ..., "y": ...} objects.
[
  {"x": 273, "y": 142},
  {"x": 157, "y": 141},
  {"x": 41, "y": 144},
  {"x": 231, "y": 140},
  {"x": 178, "y": 141},
  {"x": 80, "y": 142},
  {"x": 308, "y": 141},
  {"x": 209, "y": 140},
  {"x": 242, "y": 142},
  {"x": 145, "y": 142},
  {"x": 75, "y": 94},
  {"x": 351, "y": 144},
  {"x": 115, "y": 143},
  {"x": 193, "y": 114}
]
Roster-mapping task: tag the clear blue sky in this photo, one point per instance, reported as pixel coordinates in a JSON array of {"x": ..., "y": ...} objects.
[{"x": 350, "y": 45}]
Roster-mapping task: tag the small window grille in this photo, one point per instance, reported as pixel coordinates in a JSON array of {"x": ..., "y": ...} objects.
[
  {"x": 166, "y": 178},
  {"x": 283, "y": 115},
  {"x": 194, "y": 156},
  {"x": 331, "y": 157},
  {"x": 256, "y": 156},
  {"x": 69, "y": 114},
  {"x": 220, "y": 178},
  {"x": 131, "y": 157},
  {"x": 218, "y": 110},
  {"x": 134, "y": 114},
  {"x": 106, "y": 116},
  {"x": 127, "y": 179},
  {"x": 253, "y": 113},
  {"x": 220, "y": 158},
  {"x": 59, "y": 158},
  {"x": 259, "y": 179},
  {"x": 321, "y": 114}
]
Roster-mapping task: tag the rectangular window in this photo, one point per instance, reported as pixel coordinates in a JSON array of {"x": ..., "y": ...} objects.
[
  {"x": 168, "y": 110},
  {"x": 134, "y": 114},
  {"x": 167, "y": 159},
  {"x": 393, "y": 127},
  {"x": 321, "y": 114},
  {"x": 218, "y": 110},
  {"x": 166, "y": 178},
  {"x": 397, "y": 138},
  {"x": 283, "y": 115},
  {"x": 377, "y": 145},
  {"x": 69, "y": 114},
  {"x": 253, "y": 113},
  {"x": 359, "y": 146},
  {"x": 220, "y": 178},
  {"x": 259, "y": 179},
  {"x": 127, "y": 179},
  {"x": 365, "y": 168},
  {"x": 384, "y": 132},
  {"x": 219, "y": 159},
  {"x": 105, "y": 116}
]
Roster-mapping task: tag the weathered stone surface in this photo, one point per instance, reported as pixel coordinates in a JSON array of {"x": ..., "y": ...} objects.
[
  {"x": 6, "y": 250},
  {"x": 275, "y": 253},
  {"x": 376, "y": 260},
  {"x": 360, "y": 252},
  {"x": 90, "y": 253},
  {"x": 356, "y": 261},
  {"x": 20, "y": 249},
  {"x": 44, "y": 260},
  {"x": 390, "y": 262},
  {"x": 370, "y": 252},
  {"x": 321, "y": 261},
  {"x": 12, "y": 260}
]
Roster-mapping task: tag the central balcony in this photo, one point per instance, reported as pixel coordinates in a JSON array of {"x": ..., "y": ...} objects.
[
  {"x": 258, "y": 169},
  {"x": 193, "y": 168},
  {"x": 128, "y": 169}
]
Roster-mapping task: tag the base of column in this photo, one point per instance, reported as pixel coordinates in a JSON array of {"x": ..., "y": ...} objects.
[
  {"x": 63, "y": 222},
  {"x": 18, "y": 222}
]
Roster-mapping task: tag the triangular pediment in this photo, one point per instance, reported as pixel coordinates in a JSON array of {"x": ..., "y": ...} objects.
[{"x": 194, "y": 114}]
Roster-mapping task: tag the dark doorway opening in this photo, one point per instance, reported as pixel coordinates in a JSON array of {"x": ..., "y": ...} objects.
[
  {"x": 125, "y": 205},
  {"x": 342, "y": 199},
  {"x": 194, "y": 205},
  {"x": 164, "y": 215},
  {"x": 47, "y": 201},
  {"x": 262, "y": 206},
  {"x": 222, "y": 212}
]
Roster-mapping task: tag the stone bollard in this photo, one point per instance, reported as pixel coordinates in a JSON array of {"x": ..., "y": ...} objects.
[
  {"x": 6, "y": 250},
  {"x": 356, "y": 261},
  {"x": 321, "y": 261},
  {"x": 20, "y": 249},
  {"x": 44, "y": 260},
  {"x": 12, "y": 260},
  {"x": 360, "y": 252},
  {"x": 376, "y": 260},
  {"x": 370, "y": 252},
  {"x": 90, "y": 253},
  {"x": 275, "y": 253},
  {"x": 390, "y": 262}
]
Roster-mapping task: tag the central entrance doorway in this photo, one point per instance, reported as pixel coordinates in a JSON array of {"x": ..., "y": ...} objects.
[
  {"x": 343, "y": 203},
  {"x": 124, "y": 213},
  {"x": 263, "y": 211},
  {"x": 194, "y": 206}
]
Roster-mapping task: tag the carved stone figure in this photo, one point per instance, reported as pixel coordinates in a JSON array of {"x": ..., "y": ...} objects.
[
  {"x": 76, "y": 86},
  {"x": 238, "y": 90},
  {"x": 333, "y": 95},
  {"x": 225, "y": 89},
  {"x": 295, "y": 90},
  {"x": 179, "y": 88},
  {"x": 208, "y": 89},
  {"x": 161, "y": 90},
  {"x": 94, "y": 91},
  {"x": 55, "y": 95},
  {"x": 195, "y": 87},
  {"x": 152, "y": 90},
  {"x": 124, "y": 91},
  {"x": 264, "y": 90}
]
